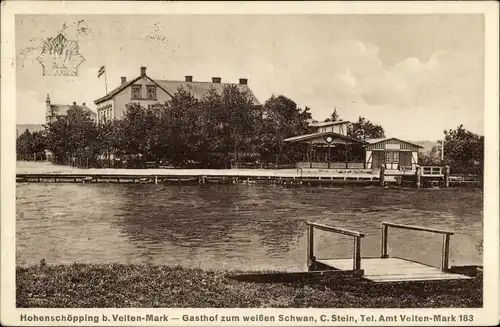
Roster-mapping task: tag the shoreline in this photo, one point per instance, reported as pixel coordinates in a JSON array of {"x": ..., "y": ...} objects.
[
  {"x": 147, "y": 286},
  {"x": 46, "y": 172},
  {"x": 234, "y": 172}
]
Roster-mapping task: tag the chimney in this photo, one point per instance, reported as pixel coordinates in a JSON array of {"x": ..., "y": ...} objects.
[
  {"x": 124, "y": 80},
  {"x": 74, "y": 103},
  {"x": 189, "y": 78},
  {"x": 143, "y": 71},
  {"x": 243, "y": 81},
  {"x": 216, "y": 79}
]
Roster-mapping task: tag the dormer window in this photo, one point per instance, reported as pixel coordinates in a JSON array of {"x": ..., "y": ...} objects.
[
  {"x": 151, "y": 92},
  {"x": 136, "y": 92}
]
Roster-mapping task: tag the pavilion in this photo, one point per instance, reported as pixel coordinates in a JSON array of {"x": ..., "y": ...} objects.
[{"x": 330, "y": 147}]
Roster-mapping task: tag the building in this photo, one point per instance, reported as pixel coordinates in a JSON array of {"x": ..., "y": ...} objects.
[
  {"x": 52, "y": 111},
  {"x": 149, "y": 92},
  {"x": 21, "y": 128},
  {"x": 392, "y": 153},
  {"x": 330, "y": 147}
]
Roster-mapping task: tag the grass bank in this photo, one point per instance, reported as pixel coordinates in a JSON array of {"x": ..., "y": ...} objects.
[{"x": 120, "y": 285}]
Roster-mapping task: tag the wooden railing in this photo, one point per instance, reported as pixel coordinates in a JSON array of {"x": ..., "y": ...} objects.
[
  {"x": 432, "y": 170},
  {"x": 445, "y": 254},
  {"x": 356, "y": 256},
  {"x": 333, "y": 165}
]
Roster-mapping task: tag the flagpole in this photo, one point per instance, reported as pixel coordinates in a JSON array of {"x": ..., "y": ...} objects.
[{"x": 106, "y": 80}]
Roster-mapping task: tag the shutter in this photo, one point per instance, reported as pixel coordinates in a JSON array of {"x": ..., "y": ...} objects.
[
  {"x": 405, "y": 159},
  {"x": 376, "y": 159}
]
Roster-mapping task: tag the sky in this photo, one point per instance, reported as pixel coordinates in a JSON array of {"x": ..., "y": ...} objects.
[{"x": 416, "y": 75}]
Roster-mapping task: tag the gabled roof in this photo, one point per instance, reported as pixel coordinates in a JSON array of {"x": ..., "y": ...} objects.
[
  {"x": 307, "y": 137},
  {"x": 379, "y": 140},
  {"x": 122, "y": 87},
  {"x": 373, "y": 141},
  {"x": 198, "y": 89},
  {"x": 330, "y": 123},
  {"x": 62, "y": 109}
]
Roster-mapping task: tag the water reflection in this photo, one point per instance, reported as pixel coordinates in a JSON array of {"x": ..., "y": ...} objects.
[{"x": 232, "y": 226}]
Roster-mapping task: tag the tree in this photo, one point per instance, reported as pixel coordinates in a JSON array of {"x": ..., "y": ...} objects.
[
  {"x": 365, "y": 129},
  {"x": 182, "y": 121},
  {"x": 24, "y": 145},
  {"x": 333, "y": 117},
  {"x": 238, "y": 120},
  {"x": 71, "y": 137},
  {"x": 109, "y": 139},
  {"x": 211, "y": 118},
  {"x": 228, "y": 121},
  {"x": 39, "y": 144},
  {"x": 137, "y": 133},
  {"x": 281, "y": 119},
  {"x": 431, "y": 158},
  {"x": 464, "y": 151}
]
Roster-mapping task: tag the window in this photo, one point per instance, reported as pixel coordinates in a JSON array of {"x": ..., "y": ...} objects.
[
  {"x": 151, "y": 92},
  {"x": 136, "y": 92},
  {"x": 392, "y": 157}
]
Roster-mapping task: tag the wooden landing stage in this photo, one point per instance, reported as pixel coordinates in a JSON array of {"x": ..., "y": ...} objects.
[
  {"x": 383, "y": 269},
  {"x": 386, "y": 270}
]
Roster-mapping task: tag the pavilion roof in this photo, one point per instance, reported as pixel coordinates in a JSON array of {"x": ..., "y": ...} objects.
[{"x": 313, "y": 136}]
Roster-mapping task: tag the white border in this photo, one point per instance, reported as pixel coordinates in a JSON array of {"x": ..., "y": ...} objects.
[{"x": 489, "y": 315}]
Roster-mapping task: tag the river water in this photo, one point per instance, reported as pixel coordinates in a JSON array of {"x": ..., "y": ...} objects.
[{"x": 243, "y": 227}]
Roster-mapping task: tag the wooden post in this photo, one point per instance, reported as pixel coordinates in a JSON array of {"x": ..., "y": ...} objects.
[
  {"x": 382, "y": 176},
  {"x": 447, "y": 176},
  {"x": 310, "y": 247},
  {"x": 357, "y": 253},
  {"x": 446, "y": 252},
  {"x": 328, "y": 155},
  {"x": 346, "y": 155},
  {"x": 310, "y": 154},
  {"x": 385, "y": 232},
  {"x": 418, "y": 176}
]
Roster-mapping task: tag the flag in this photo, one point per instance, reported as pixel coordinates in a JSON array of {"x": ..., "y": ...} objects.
[{"x": 101, "y": 71}]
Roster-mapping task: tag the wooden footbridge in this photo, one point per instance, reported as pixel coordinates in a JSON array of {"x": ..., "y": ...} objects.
[
  {"x": 374, "y": 270},
  {"x": 382, "y": 269}
]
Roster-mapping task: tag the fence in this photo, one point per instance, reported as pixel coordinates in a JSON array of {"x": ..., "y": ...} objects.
[
  {"x": 445, "y": 254},
  {"x": 356, "y": 255},
  {"x": 333, "y": 165},
  {"x": 432, "y": 170}
]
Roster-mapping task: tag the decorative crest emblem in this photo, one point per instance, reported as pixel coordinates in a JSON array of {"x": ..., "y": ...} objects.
[
  {"x": 60, "y": 57},
  {"x": 329, "y": 139}
]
